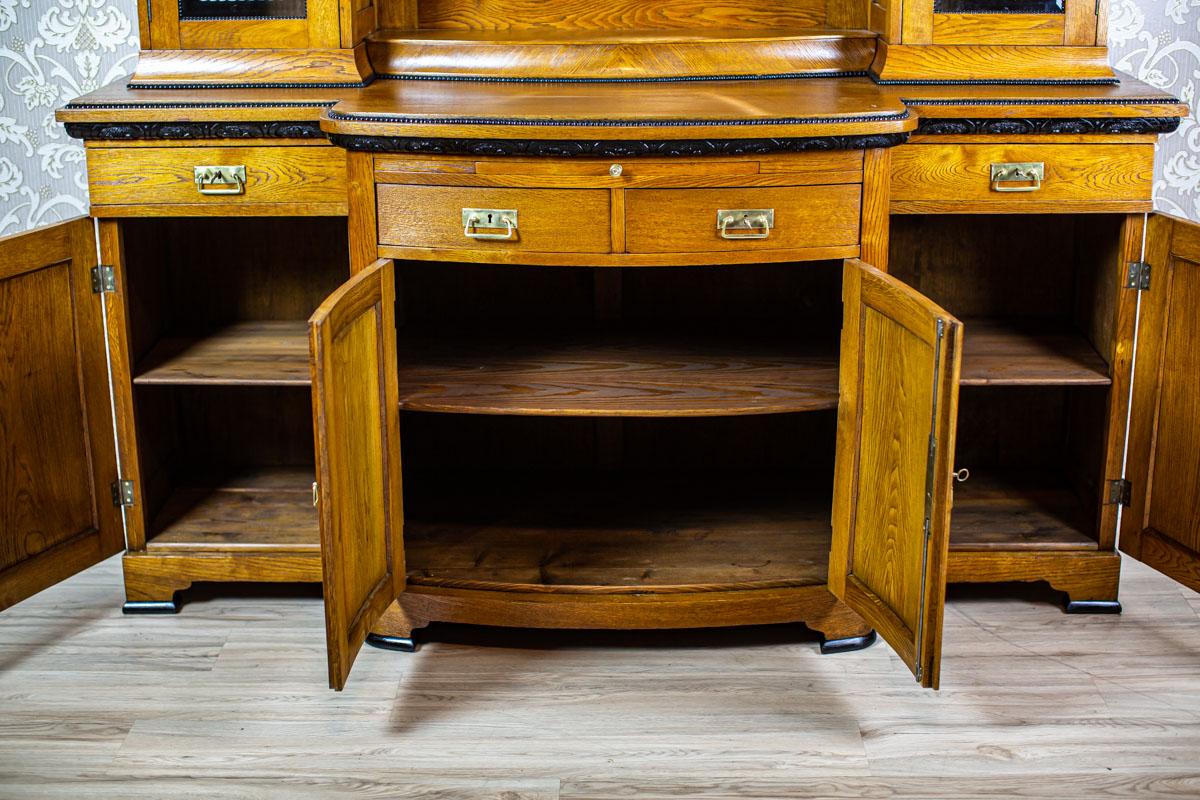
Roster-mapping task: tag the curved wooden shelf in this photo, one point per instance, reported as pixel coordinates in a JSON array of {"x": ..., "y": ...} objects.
[
  {"x": 619, "y": 54},
  {"x": 667, "y": 535},
  {"x": 626, "y": 376}
]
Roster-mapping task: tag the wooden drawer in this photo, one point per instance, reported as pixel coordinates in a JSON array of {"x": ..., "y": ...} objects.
[
  {"x": 685, "y": 220},
  {"x": 547, "y": 220},
  {"x": 949, "y": 178},
  {"x": 167, "y": 175}
]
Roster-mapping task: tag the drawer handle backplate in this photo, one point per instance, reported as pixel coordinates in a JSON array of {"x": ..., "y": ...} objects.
[
  {"x": 220, "y": 180},
  {"x": 493, "y": 218},
  {"x": 1028, "y": 175},
  {"x": 745, "y": 223}
]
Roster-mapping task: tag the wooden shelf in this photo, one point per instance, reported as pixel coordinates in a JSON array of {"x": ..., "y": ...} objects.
[
  {"x": 650, "y": 376},
  {"x": 1028, "y": 353},
  {"x": 265, "y": 509},
  {"x": 625, "y": 53},
  {"x": 260, "y": 353},
  {"x": 1018, "y": 511},
  {"x": 636, "y": 535}
]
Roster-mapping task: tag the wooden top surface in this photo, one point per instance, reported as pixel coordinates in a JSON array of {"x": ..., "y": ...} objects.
[
  {"x": 801, "y": 107},
  {"x": 655, "y": 110}
]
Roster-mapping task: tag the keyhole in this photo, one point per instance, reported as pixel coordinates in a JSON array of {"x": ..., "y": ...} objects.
[{"x": 489, "y": 220}]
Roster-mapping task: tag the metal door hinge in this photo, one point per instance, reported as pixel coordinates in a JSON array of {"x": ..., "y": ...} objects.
[
  {"x": 1138, "y": 276},
  {"x": 122, "y": 493},
  {"x": 1120, "y": 493},
  {"x": 104, "y": 279}
]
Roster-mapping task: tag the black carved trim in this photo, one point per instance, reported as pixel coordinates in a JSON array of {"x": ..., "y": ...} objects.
[
  {"x": 614, "y": 123},
  {"x": 998, "y": 82},
  {"x": 669, "y": 79},
  {"x": 611, "y": 148},
  {"x": 1105, "y": 125},
  {"x": 201, "y": 86},
  {"x": 194, "y": 130},
  {"x": 1043, "y": 101},
  {"x": 277, "y": 104}
]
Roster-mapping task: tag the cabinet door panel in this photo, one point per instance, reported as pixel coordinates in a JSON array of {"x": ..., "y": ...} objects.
[
  {"x": 356, "y": 418},
  {"x": 898, "y": 401},
  {"x": 1162, "y": 525},
  {"x": 57, "y": 457}
]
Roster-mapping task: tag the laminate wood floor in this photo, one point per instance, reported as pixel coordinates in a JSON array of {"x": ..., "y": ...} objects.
[{"x": 228, "y": 700}]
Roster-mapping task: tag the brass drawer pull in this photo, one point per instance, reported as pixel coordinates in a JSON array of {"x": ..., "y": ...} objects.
[
  {"x": 473, "y": 218},
  {"x": 220, "y": 180},
  {"x": 1029, "y": 175},
  {"x": 745, "y": 223}
]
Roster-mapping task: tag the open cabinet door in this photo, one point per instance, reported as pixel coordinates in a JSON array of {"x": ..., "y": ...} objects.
[
  {"x": 58, "y": 463},
  {"x": 898, "y": 402},
  {"x": 1161, "y": 526},
  {"x": 356, "y": 418}
]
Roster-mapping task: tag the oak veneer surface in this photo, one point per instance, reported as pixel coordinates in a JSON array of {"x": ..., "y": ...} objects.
[
  {"x": 805, "y": 107},
  {"x": 265, "y": 509},
  {"x": 558, "y": 54},
  {"x": 253, "y": 353},
  {"x": 603, "y": 16},
  {"x": 534, "y": 533},
  {"x": 1011, "y": 510},
  {"x": 223, "y": 700},
  {"x": 1028, "y": 352},
  {"x": 649, "y": 374},
  {"x": 617, "y": 375}
]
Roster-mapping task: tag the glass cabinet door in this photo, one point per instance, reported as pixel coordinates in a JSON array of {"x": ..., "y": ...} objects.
[{"x": 1000, "y": 22}]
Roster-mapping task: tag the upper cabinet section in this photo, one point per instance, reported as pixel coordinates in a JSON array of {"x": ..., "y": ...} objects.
[
  {"x": 232, "y": 43},
  {"x": 990, "y": 40}
]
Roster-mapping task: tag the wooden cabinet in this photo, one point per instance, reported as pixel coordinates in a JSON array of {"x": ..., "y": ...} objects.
[{"x": 627, "y": 315}]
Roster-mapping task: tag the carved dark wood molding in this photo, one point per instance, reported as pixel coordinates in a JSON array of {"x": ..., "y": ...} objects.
[
  {"x": 1064, "y": 125},
  {"x": 611, "y": 148},
  {"x": 195, "y": 130}
]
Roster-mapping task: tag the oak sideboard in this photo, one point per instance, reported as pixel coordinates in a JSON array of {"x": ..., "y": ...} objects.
[{"x": 609, "y": 315}]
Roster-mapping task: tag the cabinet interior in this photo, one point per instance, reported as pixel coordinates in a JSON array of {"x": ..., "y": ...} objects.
[
  {"x": 219, "y": 354},
  {"x": 1031, "y": 430}
]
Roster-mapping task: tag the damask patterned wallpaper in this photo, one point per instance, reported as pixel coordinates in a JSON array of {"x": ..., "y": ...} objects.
[{"x": 54, "y": 50}]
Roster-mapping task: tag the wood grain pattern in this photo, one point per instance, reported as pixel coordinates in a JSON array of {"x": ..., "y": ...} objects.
[
  {"x": 664, "y": 535},
  {"x": 229, "y": 34},
  {"x": 261, "y": 510},
  {"x": 1082, "y": 575},
  {"x": 1162, "y": 525},
  {"x": 729, "y": 109},
  {"x": 886, "y": 563},
  {"x": 1023, "y": 353},
  {"x": 168, "y": 66},
  {"x": 1034, "y": 509},
  {"x": 876, "y": 190},
  {"x": 356, "y": 422},
  {"x": 255, "y": 353},
  {"x": 605, "y": 15},
  {"x": 779, "y": 169},
  {"x": 560, "y": 54},
  {"x": 166, "y": 176},
  {"x": 1036, "y": 29},
  {"x": 685, "y": 220},
  {"x": 57, "y": 456},
  {"x": 1076, "y": 177},
  {"x": 638, "y": 375},
  {"x": 901, "y": 62},
  {"x": 548, "y": 221}
]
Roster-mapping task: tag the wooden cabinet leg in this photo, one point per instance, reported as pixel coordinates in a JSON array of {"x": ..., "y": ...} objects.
[
  {"x": 841, "y": 630},
  {"x": 395, "y": 629},
  {"x": 149, "y": 591}
]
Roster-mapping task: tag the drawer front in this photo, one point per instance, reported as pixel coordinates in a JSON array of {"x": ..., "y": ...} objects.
[
  {"x": 232, "y": 175},
  {"x": 543, "y": 220},
  {"x": 686, "y": 220},
  {"x": 1007, "y": 175}
]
